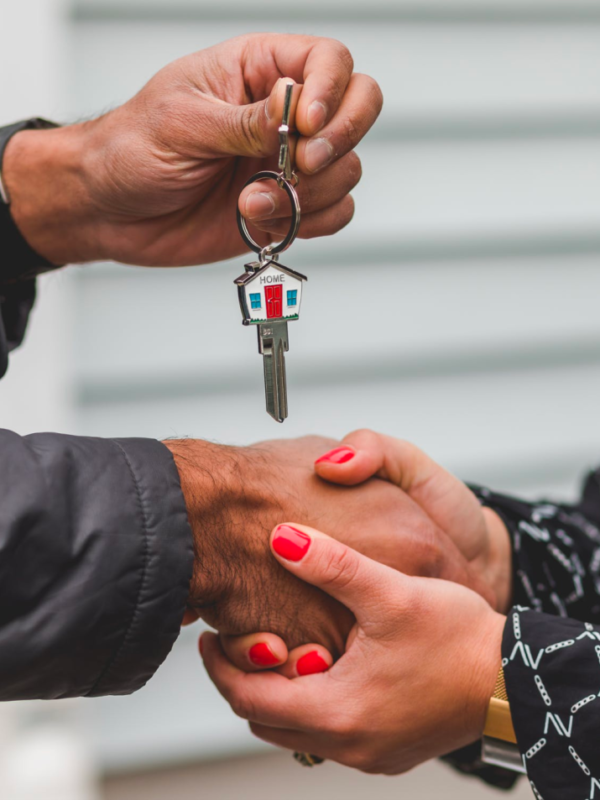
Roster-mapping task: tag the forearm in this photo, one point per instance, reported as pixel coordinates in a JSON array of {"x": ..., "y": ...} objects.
[
  {"x": 96, "y": 560},
  {"x": 47, "y": 178}
]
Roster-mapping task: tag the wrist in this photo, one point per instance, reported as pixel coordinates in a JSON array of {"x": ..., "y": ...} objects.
[
  {"x": 487, "y": 665},
  {"x": 499, "y": 571},
  {"x": 44, "y": 175},
  {"x": 219, "y": 500}
]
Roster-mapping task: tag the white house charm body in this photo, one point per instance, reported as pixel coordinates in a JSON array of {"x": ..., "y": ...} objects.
[{"x": 270, "y": 292}]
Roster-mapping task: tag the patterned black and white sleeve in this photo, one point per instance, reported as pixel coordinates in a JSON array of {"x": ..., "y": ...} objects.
[{"x": 551, "y": 647}]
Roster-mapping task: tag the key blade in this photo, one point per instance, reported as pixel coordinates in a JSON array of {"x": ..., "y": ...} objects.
[
  {"x": 275, "y": 384},
  {"x": 273, "y": 344}
]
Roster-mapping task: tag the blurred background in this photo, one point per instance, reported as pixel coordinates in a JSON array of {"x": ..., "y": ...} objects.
[{"x": 478, "y": 230}]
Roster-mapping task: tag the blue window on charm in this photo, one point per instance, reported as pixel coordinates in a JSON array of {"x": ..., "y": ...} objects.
[
  {"x": 292, "y": 297},
  {"x": 255, "y": 300}
]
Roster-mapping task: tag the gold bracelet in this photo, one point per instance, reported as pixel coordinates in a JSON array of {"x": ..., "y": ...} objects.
[{"x": 498, "y": 722}]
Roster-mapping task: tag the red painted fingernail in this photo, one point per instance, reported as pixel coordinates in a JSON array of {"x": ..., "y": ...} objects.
[
  {"x": 261, "y": 655},
  {"x": 311, "y": 663},
  {"x": 338, "y": 456},
  {"x": 290, "y": 543}
]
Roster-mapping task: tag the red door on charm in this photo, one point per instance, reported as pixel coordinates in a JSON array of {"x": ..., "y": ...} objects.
[{"x": 274, "y": 299}]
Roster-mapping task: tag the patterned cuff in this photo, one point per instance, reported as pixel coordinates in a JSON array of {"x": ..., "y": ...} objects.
[
  {"x": 552, "y": 674},
  {"x": 556, "y": 554}
]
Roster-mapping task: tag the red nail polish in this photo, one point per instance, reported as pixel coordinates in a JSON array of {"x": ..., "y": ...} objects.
[
  {"x": 311, "y": 663},
  {"x": 338, "y": 456},
  {"x": 290, "y": 543},
  {"x": 261, "y": 655}
]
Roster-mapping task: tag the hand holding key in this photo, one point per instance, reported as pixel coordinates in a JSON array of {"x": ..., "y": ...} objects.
[{"x": 155, "y": 181}]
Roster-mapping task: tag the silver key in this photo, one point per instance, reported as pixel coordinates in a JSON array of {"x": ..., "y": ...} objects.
[
  {"x": 270, "y": 293},
  {"x": 273, "y": 345}
]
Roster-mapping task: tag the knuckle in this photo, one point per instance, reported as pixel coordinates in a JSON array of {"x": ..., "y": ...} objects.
[
  {"x": 344, "y": 55},
  {"x": 342, "y": 727},
  {"x": 248, "y": 130},
  {"x": 340, "y": 567},
  {"x": 354, "y": 169},
  {"x": 375, "y": 93},
  {"x": 242, "y": 707},
  {"x": 362, "y": 760},
  {"x": 346, "y": 214},
  {"x": 431, "y": 556},
  {"x": 365, "y": 438},
  {"x": 351, "y": 131}
]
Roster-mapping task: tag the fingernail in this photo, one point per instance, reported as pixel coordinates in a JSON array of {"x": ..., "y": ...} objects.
[
  {"x": 316, "y": 115},
  {"x": 274, "y": 94},
  {"x": 311, "y": 663},
  {"x": 290, "y": 543},
  {"x": 271, "y": 99},
  {"x": 338, "y": 456},
  {"x": 259, "y": 204},
  {"x": 318, "y": 154},
  {"x": 261, "y": 655}
]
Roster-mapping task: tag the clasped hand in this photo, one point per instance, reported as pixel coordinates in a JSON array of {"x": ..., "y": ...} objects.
[{"x": 422, "y": 655}]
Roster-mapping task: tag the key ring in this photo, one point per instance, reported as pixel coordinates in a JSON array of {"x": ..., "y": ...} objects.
[
  {"x": 272, "y": 249},
  {"x": 286, "y": 180}
]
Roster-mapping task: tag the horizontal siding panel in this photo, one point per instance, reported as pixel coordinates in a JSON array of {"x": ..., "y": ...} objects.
[
  {"x": 473, "y": 189},
  {"x": 427, "y": 72},
  {"x": 182, "y": 325},
  {"x": 480, "y": 425},
  {"x": 428, "y": 10}
]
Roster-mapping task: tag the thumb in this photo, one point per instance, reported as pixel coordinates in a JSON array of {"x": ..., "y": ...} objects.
[
  {"x": 251, "y": 130},
  {"x": 364, "y": 454},
  {"x": 443, "y": 496},
  {"x": 358, "y": 582}
]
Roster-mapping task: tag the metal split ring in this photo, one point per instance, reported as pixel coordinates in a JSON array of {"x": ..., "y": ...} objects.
[{"x": 272, "y": 250}]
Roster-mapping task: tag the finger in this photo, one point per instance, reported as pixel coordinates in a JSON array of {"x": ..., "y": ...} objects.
[
  {"x": 249, "y": 130},
  {"x": 189, "y": 617},
  {"x": 265, "y": 697},
  {"x": 264, "y": 200},
  {"x": 357, "y": 113},
  {"x": 309, "y": 659},
  {"x": 361, "y": 584},
  {"x": 445, "y": 498},
  {"x": 324, "y": 66},
  {"x": 255, "y": 651},
  {"x": 321, "y": 223}
]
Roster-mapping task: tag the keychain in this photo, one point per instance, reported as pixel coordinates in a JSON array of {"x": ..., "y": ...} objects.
[{"x": 269, "y": 293}]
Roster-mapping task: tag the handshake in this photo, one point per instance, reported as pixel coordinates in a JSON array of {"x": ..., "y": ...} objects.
[{"x": 362, "y": 584}]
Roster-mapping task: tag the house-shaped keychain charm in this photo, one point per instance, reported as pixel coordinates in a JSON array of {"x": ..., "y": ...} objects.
[
  {"x": 270, "y": 292},
  {"x": 270, "y": 295}
]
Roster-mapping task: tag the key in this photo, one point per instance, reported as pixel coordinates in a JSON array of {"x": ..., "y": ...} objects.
[
  {"x": 273, "y": 345},
  {"x": 269, "y": 292}
]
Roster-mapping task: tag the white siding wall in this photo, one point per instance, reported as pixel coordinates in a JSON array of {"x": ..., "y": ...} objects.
[{"x": 471, "y": 268}]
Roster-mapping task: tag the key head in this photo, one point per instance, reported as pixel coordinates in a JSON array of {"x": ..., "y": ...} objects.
[{"x": 271, "y": 293}]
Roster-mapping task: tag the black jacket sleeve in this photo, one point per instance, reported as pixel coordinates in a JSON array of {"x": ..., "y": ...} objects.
[
  {"x": 19, "y": 263},
  {"x": 96, "y": 558}
]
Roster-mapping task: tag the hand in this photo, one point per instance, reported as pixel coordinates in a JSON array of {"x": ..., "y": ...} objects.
[
  {"x": 234, "y": 498},
  {"x": 414, "y": 683},
  {"x": 156, "y": 182},
  {"x": 478, "y": 532}
]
